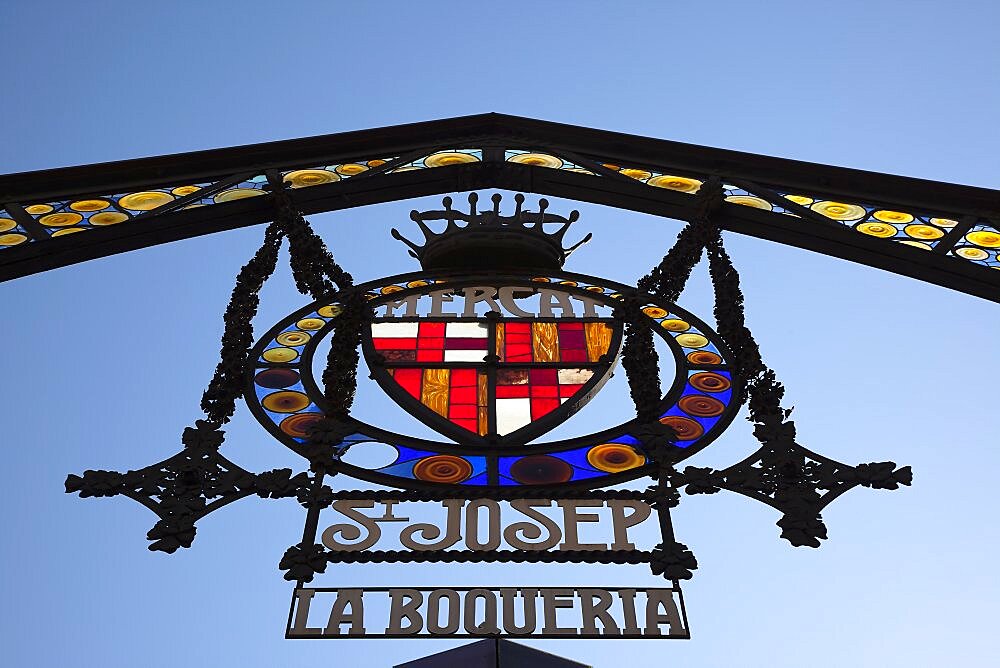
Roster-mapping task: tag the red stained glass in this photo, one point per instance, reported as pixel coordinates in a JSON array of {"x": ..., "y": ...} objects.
[
  {"x": 514, "y": 328},
  {"x": 430, "y": 355},
  {"x": 410, "y": 380},
  {"x": 567, "y": 391},
  {"x": 471, "y": 425},
  {"x": 460, "y": 377},
  {"x": 463, "y": 411},
  {"x": 543, "y": 376},
  {"x": 544, "y": 391},
  {"x": 465, "y": 344},
  {"x": 540, "y": 407},
  {"x": 432, "y": 329},
  {"x": 512, "y": 391},
  {"x": 394, "y": 344},
  {"x": 568, "y": 326},
  {"x": 573, "y": 355},
  {"x": 423, "y": 342},
  {"x": 463, "y": 395},
  {"x": 571, "y": 339}
]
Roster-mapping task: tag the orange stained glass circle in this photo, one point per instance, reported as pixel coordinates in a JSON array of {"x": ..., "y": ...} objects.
[
  {"x": 108, "y": 218},
  {"x": 235, "y": 194},
  {"x": 292, "y": 338},
  {"x": 675, "y": 325},
  {"x": 537, "y": 160},
  {"x": 595, "y": 288},
  {"x": 706, "y": 381},
  {"x": 880, "y": 230},
  {"x": 351, "y": 169},
  {"x": 310, "y": 324},
  {"x": 446, "y": 469},
  {"x": 916, "y": 244},
  {"x": 704, "y": 357},
  {"x": 984, "y": 238},
  {"x": 691, "y": 340},
  {"x": 970, "y": 253},
  {"x": 181, "y": 191},
  {"x": 286, "y": 401},
  {"x": 12, "y": 239},
  {"x": 637, "y": 174},
  {"x": 7, "y": 224},
  {"x": 944, "y": 222},
  {"x": 701, "y": 406},
  {"x": 145, "y": 201},
  {"x": 800, "y": 199},
  {"x": 297, "y": 426},
  {"x": 654, "y": 312},
  {"x": 86, "y": 205},
  {"x": 303, "y": 178},
  {"x": 417, "y": 284},
  {"x": 375, "y": 163},
  {"x": 923, "y": 232},
  {"x": 678, "y": 183},
  {"x": 686, "y": 428},
  {"x": 68, "y": 230},
  {"x": 446, "y": 158},
  {"x": 60, "y": 219},
  {"x": 280, "y": 355},
  {"x": 893, "y": 216},
  {"x": 839, "y": 210},
  {"x": 38, "y": 209},
  {"x": 749, "y": 200},
  {"x": 331, "y": 311},
  {"x": 389, "y": 289},
  {"x": 614, "y": 457}
]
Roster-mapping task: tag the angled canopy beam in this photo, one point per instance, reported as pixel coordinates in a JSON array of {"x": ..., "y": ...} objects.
[{"x": 941, "y": 233}]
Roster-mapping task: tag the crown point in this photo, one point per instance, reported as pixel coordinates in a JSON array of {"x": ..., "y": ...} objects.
[
  {"x": 574, "y": 216},
  {"x": 447, "y": 202}
]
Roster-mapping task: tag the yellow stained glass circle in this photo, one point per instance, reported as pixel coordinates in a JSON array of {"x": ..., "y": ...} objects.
[
  {"x": 537, "y": 160},
  {"x": 85, "y": 205},
  {"x": 892, "y": 216},
  {"x": 292, "y": 338},
  {"x": 446, "y": 158},
  {"x": 38, "y": 209},
  {"x": 880, "y": 230},
  {"x": 12, "y": 239},
  {"x": 181, "y": 191},
  {"x": 595, "y": 288},
  {"x": 280, "y": 355},
  {"x": 923, "y": 231},
  {"x": 800, "y": 199},
  {"x": 944, "y": 222},
  {"x": 540, "y": 279},
  {"x": 287, "y": 401},
  {"x": 614, "y": 457},
  {"x": 235, "y": 194},
  {"x": 389, "y": 289},
  {"x": 678, "y": 183},
  {"x": 970, "y": 253},
  {"x": 331, "y": 311},
  {"x": 303, "y": 178},
  {"x": 7, "y": 224},
  {"x": 417, "y": 284},
  {"x": 675, "y": 325},
  {"x": 839, "y": 210},
  {"x": 144, "y": 201},
  {"x": 916, "y": 244},
  {"x": 351, "y": 169},
  {"x": 637, "y": 174},
  {"x": 748, "y": 200},
  {"x": 984, "y": 238},
  {"x": 60, "y": 219},
  {"x": 68, "y": 230},
  {"x": 610, "y": 166},
  {"x": 310, "y": 324},
  {"x": 654, "y": 312},
  {"x": 692, "y": 340},
  {"x": 375, "y": 163},
  {"x": 569, "y": 283},
  {"x": 108, "y": 218}
]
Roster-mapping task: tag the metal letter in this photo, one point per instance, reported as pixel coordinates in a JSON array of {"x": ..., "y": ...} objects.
[
  {"x": 479, "y": 294},
  {"x": 531, "y": 530},
  {"x": 507, "y": 299},
  {"x": 489, "y": 623},
  {"x": 347, "y": 597},
  {"x": 510, "y": 626},
  {"x": 545, "y": 304},
  {"x": 591, "y": 613},
  {"x": 621, "y": 522},
  {"x": 434, "y": 612},
  {"x": 409, "y": 611},
  {"x": 627, "y": 597},
  {"x": 589, "y": 306},
  {"x": 438, "y": 299},
  {"x": 411, "y": 306},
  {"x": 570, "y": 519},
  {"x": 453, "y": 531},
  {"x": 670, "y": 615},
  {"x": 472, "y": 525},
  {"x": 349, "y": 531},
  {"x": 551, "y": 602},
  {"x": 303, "y": 599}
]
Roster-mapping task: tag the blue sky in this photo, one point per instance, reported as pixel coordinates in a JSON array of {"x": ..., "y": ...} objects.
[{"x": 107, "y": 360}]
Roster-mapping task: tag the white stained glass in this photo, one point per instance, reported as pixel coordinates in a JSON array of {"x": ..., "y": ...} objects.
[
  {"x": 574, "y": 376},
  {"x": 394, "y": 330},
  {"x": 474, "y": 330},
  {"x": 512, "y": 414},
  {"x": 464, "y": 355}
]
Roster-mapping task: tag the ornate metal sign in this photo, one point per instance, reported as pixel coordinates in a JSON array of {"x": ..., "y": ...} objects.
[{"x": 492, "y": 345}]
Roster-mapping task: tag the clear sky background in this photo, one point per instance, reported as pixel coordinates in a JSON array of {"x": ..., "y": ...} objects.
[{"x": 105, "y": 361}]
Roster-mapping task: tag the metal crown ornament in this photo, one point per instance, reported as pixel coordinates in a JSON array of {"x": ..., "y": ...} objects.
[{"x": 492, "y": 240}]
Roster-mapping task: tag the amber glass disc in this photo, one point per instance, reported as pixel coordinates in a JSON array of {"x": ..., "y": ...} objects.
[
  {"x": 303, "y": 178},
  {"x": 297, "y": 426},
  {"x": 800, "y": 199},
  {"x": 287, "y": 401},
  {"x": 839, "y": 210},
  {"x": 331, "y": 311},
  {"x": 292, "y": 338},
  {"x": 678, "y": 183},
  {"x": 12, "y": 239},
  {"x": 706, "y": 381},
  {"x": 145, "y": 201},
  {"x": 537, "y": 160},
  {"x": 68, "y": 230},
  {"x": 703, "y": 357},
  {"x": 60, "y": 219},
  {"x": 310, "y": 324},
  {"x": 701, "y": 406},
  {"x": 38, "y": 209},
  {"x": 637, "y": 174},
  {"x": 86, "y": 205},
  {"x": 280, "y": 355},
  {"x": 691, "y": 340},
  {"x": 108, "y": 218},
  {"x": 236, "y": 193},
  {"x": 276, "y": 379},
  {"x": 181, "y": 191},
  {"x": 675, "y": 325},
  {"x": 654, "y": 312},
  {"x": 984, "y": 238},
  {"x": 927, "y": 232},
  {"x": 541, "y": 470},
  {"x": 748, "y": 200},
  {"x": 446, "y": 158},
  {"x": 7, "y": 224},
  {"x": 880, "y": 230},
  {"x": 970, "y": 253},
  {"x": 445, "y": 469},
  {"x": 893, "y": 216},
  {"x": 686, "y": 428},
  {"x": 614, "y": 457}
]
